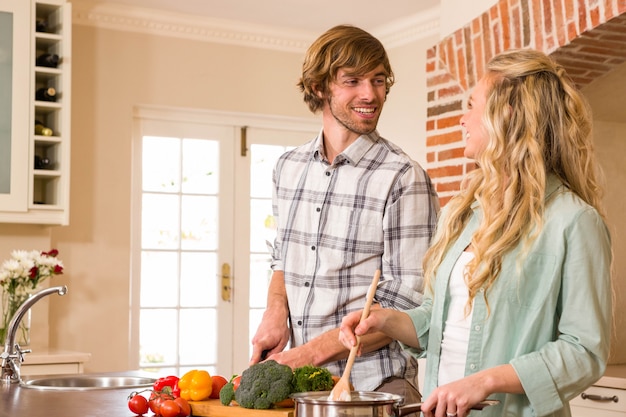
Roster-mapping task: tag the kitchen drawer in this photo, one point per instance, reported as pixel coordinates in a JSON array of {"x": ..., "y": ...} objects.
[{"x": 598, "y": 401}]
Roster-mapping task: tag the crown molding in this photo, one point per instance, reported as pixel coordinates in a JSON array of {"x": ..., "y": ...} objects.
[{"x": 155, "y": 22}]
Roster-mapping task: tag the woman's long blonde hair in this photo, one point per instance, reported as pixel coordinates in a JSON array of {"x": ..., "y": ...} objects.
[{"x": 537, "y": 123}]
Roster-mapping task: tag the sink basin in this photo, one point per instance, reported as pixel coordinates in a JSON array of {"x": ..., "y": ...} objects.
[{"x": 88, "y": 382}]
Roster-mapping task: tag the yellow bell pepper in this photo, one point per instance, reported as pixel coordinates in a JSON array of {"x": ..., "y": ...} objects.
[{"x": 195, "y": 385}]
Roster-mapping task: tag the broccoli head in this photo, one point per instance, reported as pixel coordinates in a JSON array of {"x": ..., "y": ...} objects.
[
  {"x": 227, "y": 393},
  {"x": 312, "y": 378},
  {"x": 264, "y": 384}
]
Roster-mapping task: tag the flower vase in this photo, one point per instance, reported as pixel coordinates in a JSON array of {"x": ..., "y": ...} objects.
[{"x": 10, "y": 303}]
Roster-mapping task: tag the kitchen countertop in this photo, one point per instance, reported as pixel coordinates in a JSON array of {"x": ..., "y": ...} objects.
[{"x": 29, "y": 402}]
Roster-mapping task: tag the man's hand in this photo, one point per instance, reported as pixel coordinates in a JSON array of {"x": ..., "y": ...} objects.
[{"x": 270, "y": 338}]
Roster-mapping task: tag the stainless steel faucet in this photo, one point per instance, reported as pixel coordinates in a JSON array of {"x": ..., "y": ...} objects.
[{"x": 13, "y": 354}]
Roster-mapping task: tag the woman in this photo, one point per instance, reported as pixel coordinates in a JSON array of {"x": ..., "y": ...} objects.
[{"x": 518, "y": 292}]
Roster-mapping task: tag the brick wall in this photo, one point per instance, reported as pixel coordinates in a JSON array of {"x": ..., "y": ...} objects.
[{"x": 588, "y": 37}]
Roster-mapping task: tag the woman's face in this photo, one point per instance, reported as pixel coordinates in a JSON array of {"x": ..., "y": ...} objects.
[{"x": 475, "y": 137}]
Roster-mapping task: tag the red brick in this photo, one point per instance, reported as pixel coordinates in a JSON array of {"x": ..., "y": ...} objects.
[
  {"x": 444, "y": 138},
  {"x": 595, "y": 16},
  {"x": 450, "y": 154},
  {"x": 445, "y": 171},
  {"x": 430, "y": 157},
  {"x": 505, "y": 25},
  {"x": 443, "y": 187},
  {"x": 450, "y": 121},
  {"x": 451, "y": 91},
  {"x": 430, "y": 125},
  {"x": 537, "y": 23}
]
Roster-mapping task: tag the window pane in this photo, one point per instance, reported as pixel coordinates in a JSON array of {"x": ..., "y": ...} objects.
[
  {"x": 161, "y": 164},
  {"x": 260, "y": 274},
  {"x": 153, "y": 347},
  {"x": 198, "y": 279},
  {"x": 159, "y": 221},
  {"x": 262, "y": 225},
  {"x": 159, "y": 279},
  {"x": 263, "y": 158},
  {"x": 200, "y": 166},
  {"x": 199, "y": 222},
  {"x": 198, "y": 344}
]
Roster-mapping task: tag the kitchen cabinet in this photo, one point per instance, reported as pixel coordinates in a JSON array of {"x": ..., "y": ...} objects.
[
  {"x": 35, "y": 187},
  {"x": 54, "y": 362},
  {"x": 605, "y": 398}
]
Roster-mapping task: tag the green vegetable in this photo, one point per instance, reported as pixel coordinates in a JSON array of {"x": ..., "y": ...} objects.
[
  {"x": 227, "y": 393},
  {"x": 264, "y": 384},
  {"x": 312, "y": 378}
]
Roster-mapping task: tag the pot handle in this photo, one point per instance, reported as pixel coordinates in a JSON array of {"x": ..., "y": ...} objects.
[{"x": 403, "y": 410}]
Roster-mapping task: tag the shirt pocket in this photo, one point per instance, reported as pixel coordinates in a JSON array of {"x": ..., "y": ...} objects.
[
  {"x": 531, "y": 282},
  {"x": 357, "y": 230}
]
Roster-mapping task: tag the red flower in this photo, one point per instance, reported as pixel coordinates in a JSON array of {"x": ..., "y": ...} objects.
[
  {"x": 53, "y": 253},
  {"x": 58, "y": 269},
  {"x": 34, "y": 271}
]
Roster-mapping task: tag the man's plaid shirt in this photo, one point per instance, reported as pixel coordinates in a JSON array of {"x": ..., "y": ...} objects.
[{"x": 372, "y": 208}]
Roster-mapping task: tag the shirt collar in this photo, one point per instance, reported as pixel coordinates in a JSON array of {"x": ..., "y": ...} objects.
[{"x": 353, "y": 153}]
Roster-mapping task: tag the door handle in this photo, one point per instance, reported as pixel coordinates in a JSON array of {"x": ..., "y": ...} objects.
[{"x": 226, "y": 287}]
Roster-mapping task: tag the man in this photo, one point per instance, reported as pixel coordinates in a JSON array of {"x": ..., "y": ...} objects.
[{"x": 346, "y": 204}]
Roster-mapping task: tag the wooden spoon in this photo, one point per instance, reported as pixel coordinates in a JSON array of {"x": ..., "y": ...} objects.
[{"x": 341, "y": 390}]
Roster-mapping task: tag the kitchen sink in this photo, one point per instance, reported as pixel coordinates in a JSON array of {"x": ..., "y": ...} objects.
[{"x": 88, "y": 382}]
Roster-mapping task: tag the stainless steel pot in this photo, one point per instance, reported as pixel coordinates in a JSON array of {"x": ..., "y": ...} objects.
[{"x": 362, "y": 404}]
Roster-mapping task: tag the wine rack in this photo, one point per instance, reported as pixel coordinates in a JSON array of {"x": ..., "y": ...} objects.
[{"x": 50, "y": 151}]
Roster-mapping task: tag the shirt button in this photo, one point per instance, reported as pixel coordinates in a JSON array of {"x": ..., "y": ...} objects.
[
  {"x": 312, "y": 247},
  {"x": 318, "y": 209},
  {"x": 306, "y": 284},
  {"x": 472, "y": 366},
  {"x": 477, "y": 328},
  {"x": 299, "y": 322},
  {"x": 328, "y": 174}
]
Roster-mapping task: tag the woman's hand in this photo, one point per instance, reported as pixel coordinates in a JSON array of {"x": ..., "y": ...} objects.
[{"x": 458, "y": 397}]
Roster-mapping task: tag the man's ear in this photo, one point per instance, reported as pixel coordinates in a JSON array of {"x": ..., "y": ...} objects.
[{"x": 317, "y": 91}]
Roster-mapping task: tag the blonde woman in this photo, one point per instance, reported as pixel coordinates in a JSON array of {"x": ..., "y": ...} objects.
[{"x": 518, "y": 295}]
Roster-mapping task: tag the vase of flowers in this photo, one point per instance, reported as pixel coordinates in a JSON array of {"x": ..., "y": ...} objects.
[{"x": 19, "y": 278}]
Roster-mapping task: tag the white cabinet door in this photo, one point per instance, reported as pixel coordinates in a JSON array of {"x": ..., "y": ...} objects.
[{"x": 14, "y": 102}]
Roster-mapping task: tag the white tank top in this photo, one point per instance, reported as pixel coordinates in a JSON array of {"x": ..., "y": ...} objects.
[{"x": 456, "y": 330}]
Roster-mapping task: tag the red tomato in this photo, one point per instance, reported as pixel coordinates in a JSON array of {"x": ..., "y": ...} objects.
[
  {"x": 217, "y": 382},
  {"x": 138, "y": 404},
  {"x": 169, "y": 408},
  {"x": 236, "y": 382},
  {"x": 185, "y": 408},
  {"x": 155, "y": 402}
]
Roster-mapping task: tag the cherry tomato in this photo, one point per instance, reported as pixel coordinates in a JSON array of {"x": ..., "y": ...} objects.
[
  {"x": 169, "y": 408},
  {"x": 185, "y": 408},
  {"x": 217, "y": 382},
  {"x": 156, "y": 399},
  {"x": 236, "y": 382},
  {"x": 138, "y": 404}
]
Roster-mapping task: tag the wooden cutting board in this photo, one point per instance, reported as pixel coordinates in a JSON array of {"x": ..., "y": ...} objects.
[{"x": 214, "y": 408}]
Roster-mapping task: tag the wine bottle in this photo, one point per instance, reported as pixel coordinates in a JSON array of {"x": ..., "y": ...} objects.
[
  {"x": 48, "y": 60},
  {"x": 46, "y": 94},
  {"x": 41, "y": 25},
  {"x": 42, "y": 130},
  {"x": 42, "y": 162}
]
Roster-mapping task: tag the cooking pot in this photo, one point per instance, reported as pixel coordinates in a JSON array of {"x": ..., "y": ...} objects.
[{"x": 362, "y": 404}]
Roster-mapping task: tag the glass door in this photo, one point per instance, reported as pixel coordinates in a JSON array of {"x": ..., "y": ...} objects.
[{"x": 202, "y": 213}]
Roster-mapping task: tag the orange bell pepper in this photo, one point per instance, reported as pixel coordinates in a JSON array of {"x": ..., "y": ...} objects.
[{"x": 195, "y": 385}]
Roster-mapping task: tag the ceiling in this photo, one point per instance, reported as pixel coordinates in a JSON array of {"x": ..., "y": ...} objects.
[{"x": 305, "y": 15}]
